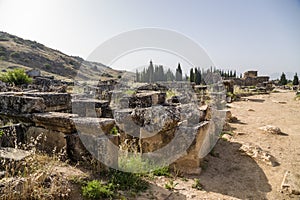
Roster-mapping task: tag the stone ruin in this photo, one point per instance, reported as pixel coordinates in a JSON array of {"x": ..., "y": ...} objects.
[{"x": 41, "y": 108}]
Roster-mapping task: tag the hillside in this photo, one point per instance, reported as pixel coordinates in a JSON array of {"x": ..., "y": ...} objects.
[{"x": 27, "y": 54}]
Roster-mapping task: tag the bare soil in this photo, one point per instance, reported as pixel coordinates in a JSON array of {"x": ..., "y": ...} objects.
[{"x": 230, "y": 174}]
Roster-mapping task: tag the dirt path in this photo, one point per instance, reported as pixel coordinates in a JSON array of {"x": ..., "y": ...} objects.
[{"x": 228, "y": 173}]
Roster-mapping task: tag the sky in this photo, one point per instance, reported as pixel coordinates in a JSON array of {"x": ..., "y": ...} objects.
[{"x": 262, "y": 35}]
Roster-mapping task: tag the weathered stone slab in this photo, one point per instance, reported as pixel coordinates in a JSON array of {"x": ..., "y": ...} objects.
[
  {"x": 94, "y": 126},
  {"x": 13, "y": 104},
  {"x": 147, "y": 99},
  {"x": 54, "y": 101},
  {"x": 189, "y": 162},
  {"x": 91, "y": 107},
  {"x": 61, "y": 122}
]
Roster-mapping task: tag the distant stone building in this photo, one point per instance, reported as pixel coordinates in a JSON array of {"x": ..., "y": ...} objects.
[
  {"x": 251, "y": 78},
  {"x": 250, "y": 74}
]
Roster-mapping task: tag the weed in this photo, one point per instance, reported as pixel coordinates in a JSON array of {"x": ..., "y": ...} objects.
[
  {"x": 170, "y": 185},
  {"x": 1, "y": 133},
  {"x": 197, "y": 185},
  {"x": 114, "y": 131}
]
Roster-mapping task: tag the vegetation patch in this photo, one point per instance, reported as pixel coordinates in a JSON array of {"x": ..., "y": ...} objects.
[{"x": 16, "y": 77}]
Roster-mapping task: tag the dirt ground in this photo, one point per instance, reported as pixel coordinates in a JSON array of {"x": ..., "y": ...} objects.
[{"x": 228, "y": 173}]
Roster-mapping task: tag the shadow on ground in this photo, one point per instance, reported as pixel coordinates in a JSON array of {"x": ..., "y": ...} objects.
[{"x": 231, "y": 173}]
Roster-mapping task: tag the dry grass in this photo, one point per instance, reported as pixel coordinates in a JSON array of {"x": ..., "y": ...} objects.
[{"x": 38, "y": 176}]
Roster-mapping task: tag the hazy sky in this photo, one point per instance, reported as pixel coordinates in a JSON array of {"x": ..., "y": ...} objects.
[{"x": 239, "y": 34}]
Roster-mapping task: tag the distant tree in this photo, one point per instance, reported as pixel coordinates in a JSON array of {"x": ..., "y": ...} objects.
[
  {"x": 192, "y": 78},
  {"x": 137, "y": 76},
  {"x": 178, "y": 74},
  {"x": 296, "y": 80},
  {"x": 198, "y": 78},
  {"x": 170, "y": 76},
  {"x": 283, "y": 80},
  {"x": 150, "y": 72}
]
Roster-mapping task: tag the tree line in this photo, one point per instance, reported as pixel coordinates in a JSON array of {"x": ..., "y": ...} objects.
[{"x": 158, "y": 73}]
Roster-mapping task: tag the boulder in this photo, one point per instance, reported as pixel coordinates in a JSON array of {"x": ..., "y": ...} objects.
[{"x": 33, "y": 73}]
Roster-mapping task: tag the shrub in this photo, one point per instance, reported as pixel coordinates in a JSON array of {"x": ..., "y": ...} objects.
[
  {"x": 96, "y": 190},
  {"x": 48, "y": 66},
  {"x": 16, "y": 76}
]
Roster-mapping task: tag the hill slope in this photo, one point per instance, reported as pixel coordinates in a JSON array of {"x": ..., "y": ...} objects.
[{"x": 17, "y": 52}]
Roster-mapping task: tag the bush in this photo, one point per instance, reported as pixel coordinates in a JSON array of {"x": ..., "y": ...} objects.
[
  {"x": 16, "y": 77},
  {"x": 96, "y": 190}
]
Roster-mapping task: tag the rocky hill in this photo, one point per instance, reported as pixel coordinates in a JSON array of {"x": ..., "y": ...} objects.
[{"x": 27, "y": 54}]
